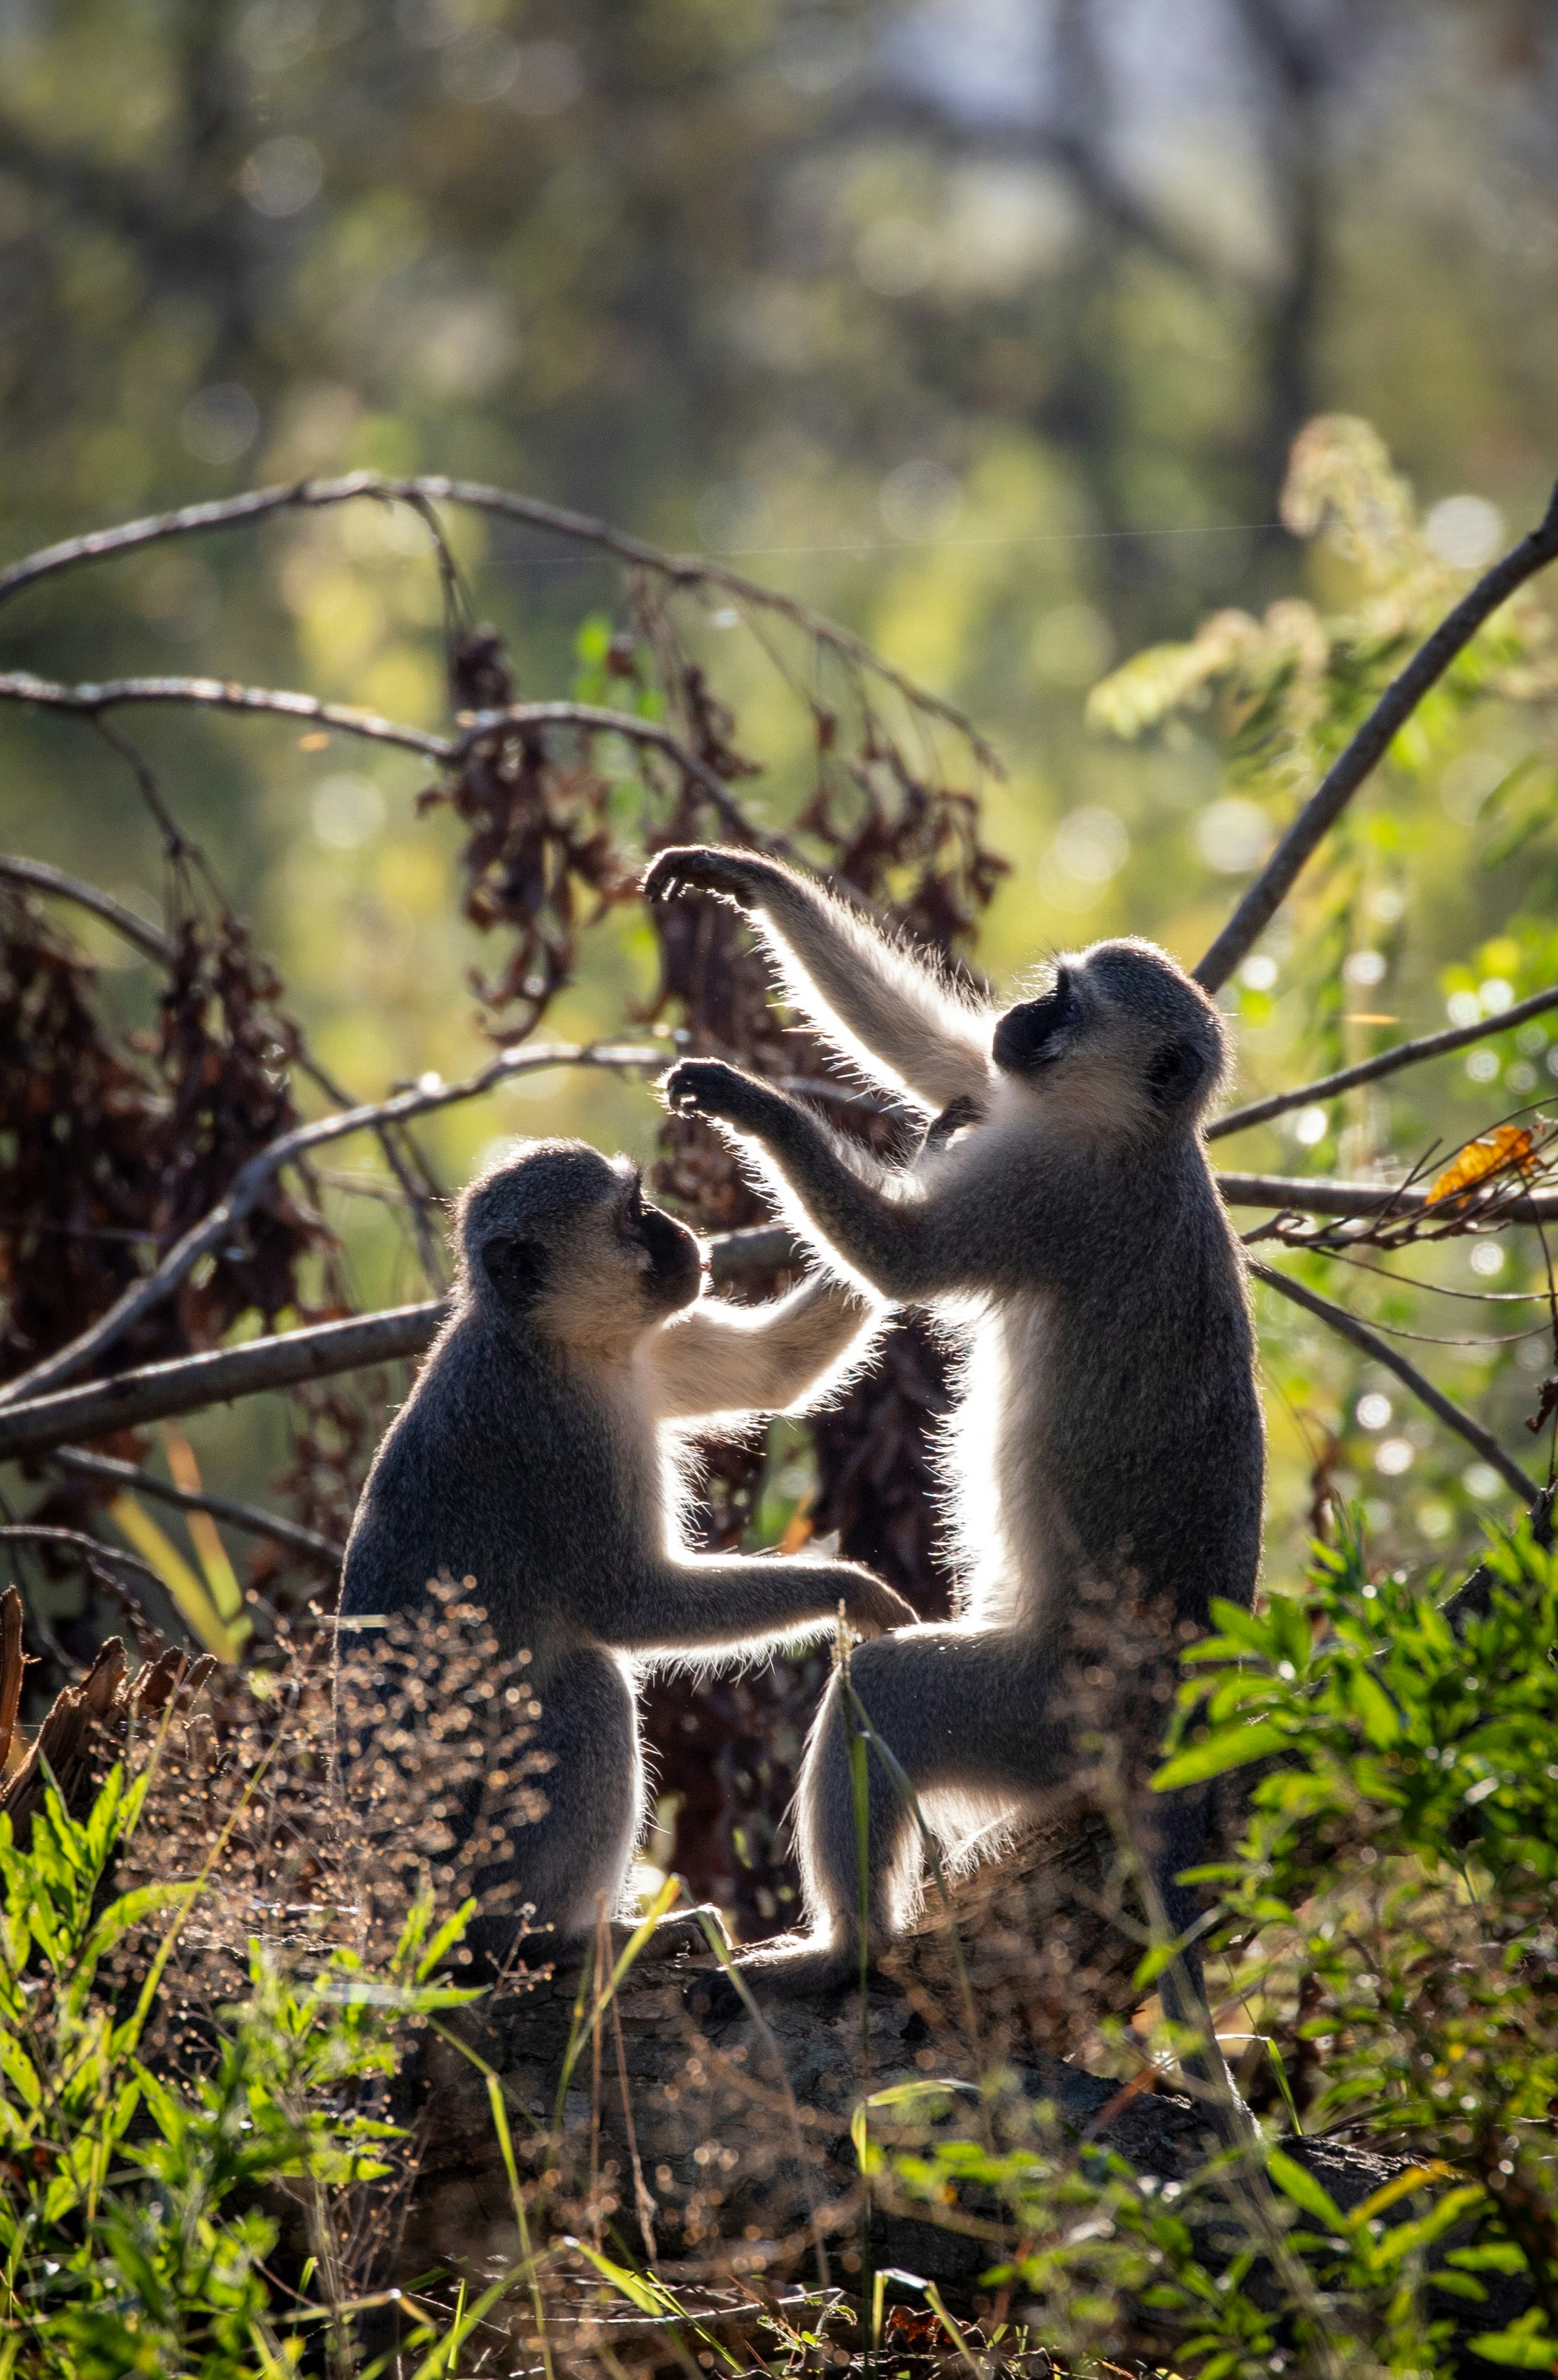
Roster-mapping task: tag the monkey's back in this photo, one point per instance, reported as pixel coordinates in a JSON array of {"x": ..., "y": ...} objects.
[
  {"x": 1111, "y": 1432},
  {"x": 497, "y": 1468}
]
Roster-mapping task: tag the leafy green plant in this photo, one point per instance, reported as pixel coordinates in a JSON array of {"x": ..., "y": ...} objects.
[{"x": 135, "y": 2205}]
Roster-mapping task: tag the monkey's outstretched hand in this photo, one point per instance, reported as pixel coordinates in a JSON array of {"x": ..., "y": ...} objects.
[
  {"x": 707, "y": 1086},
  {"x": 872, "y": 1606},
  {"x": 734, "y": 876}
]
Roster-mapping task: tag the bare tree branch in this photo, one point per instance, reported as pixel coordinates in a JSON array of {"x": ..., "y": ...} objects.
[
  {"x": 90, "y": 701},
  {"x": 218, "y": 694},
  {"x": 1396, "y": 706},
  {"x": 254, "y": 1522},
  {"x": 254, "y": 1177},
  {"x": 680, "y": 570},
  {"x": 1357, "y": 1199},
  {"x": 37, "y": 876},
  {"x": 191, "y": 1383},
  {"x": 1406, "y": 1053},
  {"x": 1348, "y": 1327}
]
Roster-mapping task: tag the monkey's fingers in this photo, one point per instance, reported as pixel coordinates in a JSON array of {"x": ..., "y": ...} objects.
[
  {"x": 707, "y": 1086},
  {"x": 875, "y": 1608},
  {"x": 699, "y": 867}
]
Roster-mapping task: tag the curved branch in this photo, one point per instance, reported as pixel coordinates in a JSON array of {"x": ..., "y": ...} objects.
[
  {"x": 680, "y": 570},
  {"x": 248, "y": 1517},
  {"x": 1368, "y": 747},
  {"x": 253, "y": 1178},
  {"x": 99, "y": 1556},
  {"x": 1348, "y": 1327},
  {"x": 37, "y": 876},
  {"x": 90, "y": 701},
  {"x": 1406, "y": 1053}
]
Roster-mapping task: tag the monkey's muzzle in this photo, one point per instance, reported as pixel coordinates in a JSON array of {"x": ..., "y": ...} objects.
[
  {"x": 1027, "y": 1036},
  {"x": 676, "y": 1260}
]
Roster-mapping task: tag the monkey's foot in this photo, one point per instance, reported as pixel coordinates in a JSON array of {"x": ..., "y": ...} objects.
[
  {"x": 700, "y": 867},
  {"x": 673, "y": 1937},
  {"x": 790, "y": 1970}
]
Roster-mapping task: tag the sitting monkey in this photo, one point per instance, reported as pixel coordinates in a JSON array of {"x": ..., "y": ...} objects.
[
  {"x": 1060, "y": 1214},
  {"x": 539, "y": 1454}
]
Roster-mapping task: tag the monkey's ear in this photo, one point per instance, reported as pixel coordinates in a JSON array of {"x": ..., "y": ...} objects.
[
  {"x": 517, "y": 1270},
  {"x": 1173, "y": 1073}
]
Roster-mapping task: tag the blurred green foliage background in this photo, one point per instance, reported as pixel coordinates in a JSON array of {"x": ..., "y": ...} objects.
[{"x": 983, "y": 325}]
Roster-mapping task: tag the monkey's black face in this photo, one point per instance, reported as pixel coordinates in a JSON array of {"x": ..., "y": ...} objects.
[
  {"x": 1034, "y": 1035},
  {"x": 675, "y": 1260}
]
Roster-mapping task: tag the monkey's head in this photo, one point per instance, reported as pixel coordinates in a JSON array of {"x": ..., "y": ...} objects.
[
  {"x": 1120, "y": 1038},
  {"x": 561, "y": 1238}
]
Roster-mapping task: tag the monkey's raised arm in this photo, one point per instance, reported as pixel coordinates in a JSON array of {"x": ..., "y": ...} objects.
[
  {"x": 872, "y": 998},
  {"x": 907, "y": 1248},
  {"x": 727, "y": 1359}
]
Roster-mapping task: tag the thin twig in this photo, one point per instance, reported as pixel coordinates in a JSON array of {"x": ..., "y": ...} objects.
[
  {"x": 1450, "y": 1413},
  {"x": 248, "y": 1517},
  {"x": 1368, "y": 747},
  {"x": 1406, "y": 1053},
  {"x": 99, "y": 1556},
  {"x": 253, "y": 1178},
  {"x": 37, "y": 876},
  {"x": 682, "y": 570}
]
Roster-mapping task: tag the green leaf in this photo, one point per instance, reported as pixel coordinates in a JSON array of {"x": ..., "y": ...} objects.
[
  {"x": 648, "y": 2296},
  {"x": 1523, "y": 2344},
  {"x": 1297, "y": 2182},
  {"x": 1493, "y": 2256},
  {"x": 1381, "y": 1721},
  {"x": 1230, "y": 1747}
]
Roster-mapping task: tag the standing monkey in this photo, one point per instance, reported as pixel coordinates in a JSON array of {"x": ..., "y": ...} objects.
[
  {"x": 1062, "y": 1215},
  {"x": 540, "y": 1453}
]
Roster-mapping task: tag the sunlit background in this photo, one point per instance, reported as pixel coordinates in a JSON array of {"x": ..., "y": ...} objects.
[{"x": 984, "y": 326}]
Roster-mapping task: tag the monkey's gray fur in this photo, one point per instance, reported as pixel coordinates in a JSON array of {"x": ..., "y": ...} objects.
[
  {"x": 542, "y": 1452},
  {"x": 1060, "y": 1213}
]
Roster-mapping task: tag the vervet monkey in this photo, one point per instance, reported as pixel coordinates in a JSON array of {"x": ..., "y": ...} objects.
[
  {"x": 1061, "y": 1216},
  {"x": 542, "y": 1453}
]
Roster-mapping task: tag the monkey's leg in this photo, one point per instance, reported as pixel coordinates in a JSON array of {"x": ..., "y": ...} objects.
[
  {"x": 978, "y": 1712},
  {"x": 565, "y": 1863},
  {"x": 1175, "y": 1824}
]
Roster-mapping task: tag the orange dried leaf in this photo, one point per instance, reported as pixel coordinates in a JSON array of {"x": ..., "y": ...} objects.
[{"x": 1507, "y": 1145}]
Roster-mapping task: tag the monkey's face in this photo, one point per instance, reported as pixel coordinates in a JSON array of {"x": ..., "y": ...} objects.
[
  {"x": 1120, "y": 1039},
  {"x": 560, "y": 1239},
  {"x": 665, "y": 1254}
]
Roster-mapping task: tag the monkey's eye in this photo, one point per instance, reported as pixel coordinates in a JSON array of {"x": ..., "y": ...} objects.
[{"x": 632, "y": 1211}]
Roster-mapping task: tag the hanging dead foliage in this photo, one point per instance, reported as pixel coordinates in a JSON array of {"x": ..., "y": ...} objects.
[
  {"x": 539, "y": 859},
  {"x": 116, "y": 1143}
]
